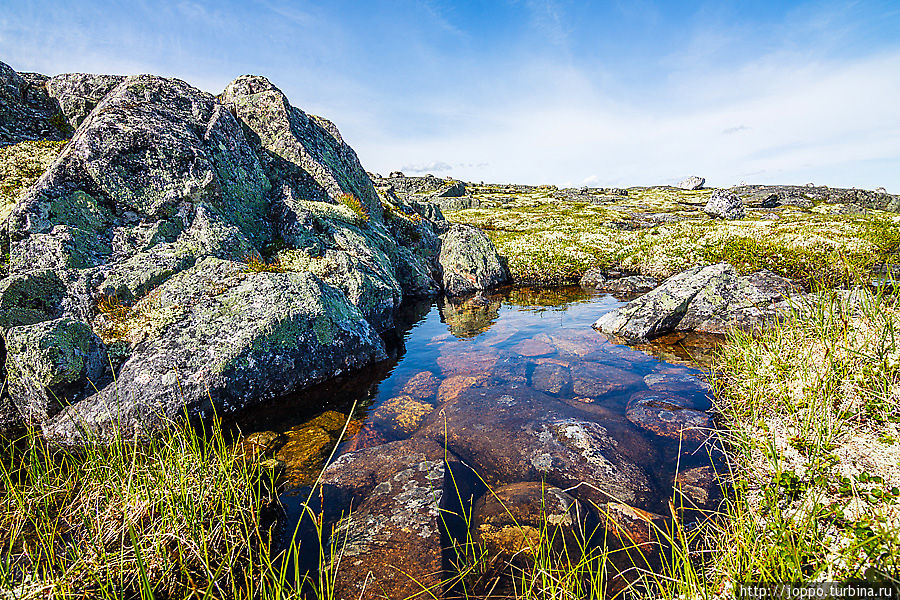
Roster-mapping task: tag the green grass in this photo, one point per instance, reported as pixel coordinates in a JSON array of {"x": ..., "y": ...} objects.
[
  {"x": 177, "y": 516},
  {"x": 355, "y": 206}
]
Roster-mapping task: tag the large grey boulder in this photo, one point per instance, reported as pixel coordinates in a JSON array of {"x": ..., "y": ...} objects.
[
  {"x": 691, "y": 183},
  {"x": 469, "y": 261},
  {"x": 222, "y": 338},
  {"x": 724, "y": 204},
  {"x": 226, "y": 250},
  {"x": 710, "y": 299}
]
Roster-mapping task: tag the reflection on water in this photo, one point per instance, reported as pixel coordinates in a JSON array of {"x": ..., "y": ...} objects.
[{"x": 535, "y": 341}]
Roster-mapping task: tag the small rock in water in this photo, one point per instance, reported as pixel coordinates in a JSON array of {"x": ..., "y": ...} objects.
[
  {"x": 262, "y": 443},
  {"x": 691, "y": 183},
  {"x": 304, "y": 453},
  {"x": 631, "y": 284},
  {"x": 422, "y": 386},
  {"x": 593, "y": 278},
  {"x": 668, "y": 416},
  {"x": 698, "y": 488},
  {"x": 509, "y": 520},
  {"x": 597, "y": 380},
  {"x": 454, "y": 385},
  {"x": 633, "y": 536},
  {"x": 551, "y": 378},
  {"x": 401, "y": 415},
  {"x": 724, "y": 205},
  {"x": 675, "y": 382},
  {"x": 330, "y": 420}
]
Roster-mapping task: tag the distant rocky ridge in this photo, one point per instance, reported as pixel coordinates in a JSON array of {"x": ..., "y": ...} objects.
[
  {"x": 205, "y": 252},
  {"x": 451, "y": 194}
]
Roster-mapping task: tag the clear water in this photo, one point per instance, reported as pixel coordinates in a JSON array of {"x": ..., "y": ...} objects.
[{"x": 481, "y": 338}]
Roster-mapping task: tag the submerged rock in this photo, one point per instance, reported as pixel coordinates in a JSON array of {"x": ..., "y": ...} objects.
[
  {"x": 669, "y": 416},
  {"x": 422, "y": 386},
  {"x": 710, "y": 299},
  {"x": 390, "y": 506},
  {"x": 551, "y": 378},
  {"x": 512, "y": 520},
  {"x": 515, "y": 434}
]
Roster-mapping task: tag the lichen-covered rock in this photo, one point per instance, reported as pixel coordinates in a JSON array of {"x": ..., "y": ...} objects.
[
  {"x": 710, "y": 299},
  {"x": 78, "y": 93},
  {"x": 30, "y": 298},
  {"x": 691, "y": 183},
  {"x": 27, "y": 112},
  {"x": 724, "y": 204},
  {"x": 304, "y": 155},
  {"x": 50, "y": 364},
  {"x": 594, "y": 277},
  {"x": 469, "y": 261},
  {"x": 513, "y": 519},
  {"x": 630, "y": 284},
  {"x": 236, "y": 241},
  {"x": 669, "y": 416},
  {"x": 225, "y": 339}
]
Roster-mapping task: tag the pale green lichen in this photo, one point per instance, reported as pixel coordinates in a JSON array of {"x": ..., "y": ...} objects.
[
  {"x": 20, "y": 166},
  {"x": 661, "y": 231}
]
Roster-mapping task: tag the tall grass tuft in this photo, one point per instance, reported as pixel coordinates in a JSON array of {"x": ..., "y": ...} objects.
[{"x": 177, "y": 516}]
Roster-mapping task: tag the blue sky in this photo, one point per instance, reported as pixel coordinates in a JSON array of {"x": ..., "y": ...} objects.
[{"x": 571, "y": 93}]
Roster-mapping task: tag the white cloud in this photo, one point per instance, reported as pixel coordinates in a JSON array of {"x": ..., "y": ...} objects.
[{"x": 797, "y": 122}]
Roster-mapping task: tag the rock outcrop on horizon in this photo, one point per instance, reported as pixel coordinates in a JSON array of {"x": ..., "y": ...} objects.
[{"x": 216, "y": 252}]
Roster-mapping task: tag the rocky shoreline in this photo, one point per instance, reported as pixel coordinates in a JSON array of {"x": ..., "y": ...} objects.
[{"x": 210, "y": 252}]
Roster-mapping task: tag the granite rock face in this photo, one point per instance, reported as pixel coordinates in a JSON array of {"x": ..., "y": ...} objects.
[
  {"x": 470, "y": 262},
  {"x": 724, "y": 205},
  {"x": 224, "y": 249},
  {"x": 709, "y": 299},
  {"x": 691, "y": 183},
  {"x": 27, "y": 111}
]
